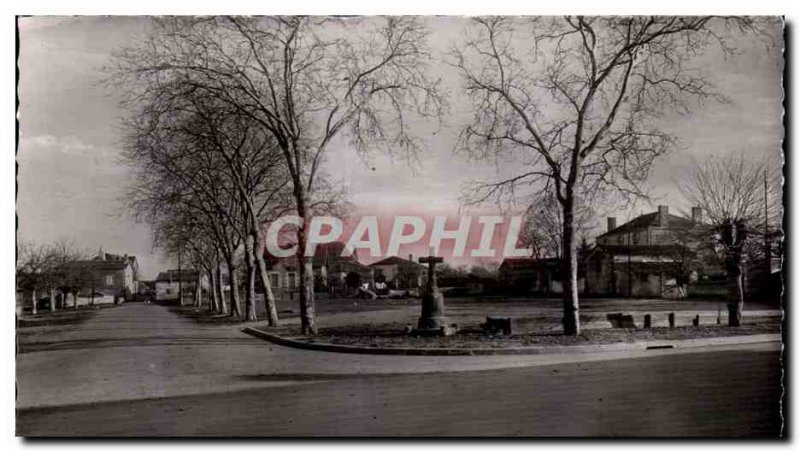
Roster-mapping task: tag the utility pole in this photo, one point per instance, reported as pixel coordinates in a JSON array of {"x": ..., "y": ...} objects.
[
  {"x": 630, "y": 275},
  {"x": 180, "y": 278}
]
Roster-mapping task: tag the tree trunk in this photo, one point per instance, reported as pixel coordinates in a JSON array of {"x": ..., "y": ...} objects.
[
  {"x": 52, "y": 300},
  {"x": 250, "y": 280},
  {"x": 223, "y": 309},
  {"x": 33, "y": 298},
  {"x": 213, "y": 298},
  {"x": 198, "y": 290},
  {"x": 306, "y": 271},
  {"x": 233, "y": 275},
  {"x": 734, "y": 236},
  {"x": 570, "y": 279},
  {"x": 736, "y": 305},
  {"x": 269, "y": 296},
  {"x": 75, "y": 300}
]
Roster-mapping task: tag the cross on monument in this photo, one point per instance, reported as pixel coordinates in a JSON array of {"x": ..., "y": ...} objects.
[{"x": 431, "y": 260}]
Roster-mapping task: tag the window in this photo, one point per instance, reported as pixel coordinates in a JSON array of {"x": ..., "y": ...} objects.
[
  {"x": 292, "y": 280},
  {"x": 274, "y": 280},
  {"x": 110, "y": 280}
]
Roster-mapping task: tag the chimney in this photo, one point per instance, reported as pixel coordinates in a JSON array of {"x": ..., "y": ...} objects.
[
  {"x": 101, "y": 255},
  {"x": 612, "y": 223},
  {"x": 663, "y": 215},
  {"x": 411, "y": 257},
  {"x": 697, "y": 215}
]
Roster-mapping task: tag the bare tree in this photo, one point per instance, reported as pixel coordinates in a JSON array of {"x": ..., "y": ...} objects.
[
  {"x": 50, "y": 268},
  {"x": 33, "y": 262},
  {"x": 543, "y": 230},
  {"x": 574, "y": 102},
  {"x": 66, "y": 274},
  {"x": 729, "y": 190},
  {"x": 305, "y": 80},
  {"x": 251, "y": 162}
]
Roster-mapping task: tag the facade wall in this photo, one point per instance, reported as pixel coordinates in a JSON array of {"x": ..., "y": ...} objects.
[
  {"x": 400, "y": 276},
  {"x": 637, "y": 279},
  {"x": 285, "y": 281},
  {"x": 389, "y": 272},
  {"x": 637, "y": 282},
  {"x": 599, "y": 275},
  {"x": 168, "y": 291},
  {"x": 542, "y": 279},
  {"x": 114, "y": 283},
  {"x": 86, "y": 301}
]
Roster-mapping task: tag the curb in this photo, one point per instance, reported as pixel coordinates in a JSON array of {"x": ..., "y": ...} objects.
[{"x": 534, "y": 350}]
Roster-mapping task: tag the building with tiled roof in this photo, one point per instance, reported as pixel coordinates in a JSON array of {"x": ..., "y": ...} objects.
[
  {"x": 655, "y": 228},
  {"x": 170, "y": 284},
  {"x": 108, "y": 276},
  {"x": 649, "y": 256},
  {"x": 399, "y": 273},
  {"x": 331, "y": 271}
]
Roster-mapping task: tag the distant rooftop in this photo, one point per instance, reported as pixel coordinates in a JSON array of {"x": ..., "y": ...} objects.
[
  {"x": 177, "y": 275},
  {"x": 650, "y": 219},
  {"x": 395, "y": 260}
]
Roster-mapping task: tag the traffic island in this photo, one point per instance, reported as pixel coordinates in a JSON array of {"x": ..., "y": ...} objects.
[{"x": 389, "y": 339}]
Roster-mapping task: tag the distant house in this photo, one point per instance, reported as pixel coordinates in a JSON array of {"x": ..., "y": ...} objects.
[
  {"x": 332, "y": 271},
  {"x": 466, "y": 284},
  {"x": 108, "y": 277},
  {"x": 169, "y": 284},
  {"x": 399, "y": 273},
  {"x": 542, "y": 276},
  {"x": 650, "y": 255},
  {"x": 147, "y": 287}
]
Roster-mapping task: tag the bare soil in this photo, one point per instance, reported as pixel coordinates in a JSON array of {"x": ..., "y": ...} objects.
[{"x": 393, "y": 335}]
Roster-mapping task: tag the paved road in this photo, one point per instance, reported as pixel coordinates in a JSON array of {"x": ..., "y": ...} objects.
[
  {"x": 731, "y": 393},
  {"x": 141, "y": 370}
]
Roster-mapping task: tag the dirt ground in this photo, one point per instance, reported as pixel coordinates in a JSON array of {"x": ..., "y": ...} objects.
[
  {"x": 381, "y": 323},
  {"x": 392, "y": 335},
  {"x": 60, "y": 317},
  {"x": 480, "y": 307}
]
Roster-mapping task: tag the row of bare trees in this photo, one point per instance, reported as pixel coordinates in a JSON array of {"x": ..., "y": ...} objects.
[
  {"x": 232, "y": 119},
  {"x": 48, "y": 269},
  {"x": 206, "y": 180}
]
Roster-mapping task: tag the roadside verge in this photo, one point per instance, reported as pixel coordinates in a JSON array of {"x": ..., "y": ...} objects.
[{"x": 530, "y": 350}]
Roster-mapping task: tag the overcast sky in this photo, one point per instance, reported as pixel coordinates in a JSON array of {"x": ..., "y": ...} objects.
[{"x": 70, "y": 181}]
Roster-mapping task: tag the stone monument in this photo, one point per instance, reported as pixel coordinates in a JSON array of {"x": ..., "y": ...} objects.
[{"x": 432, "y": 321}]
